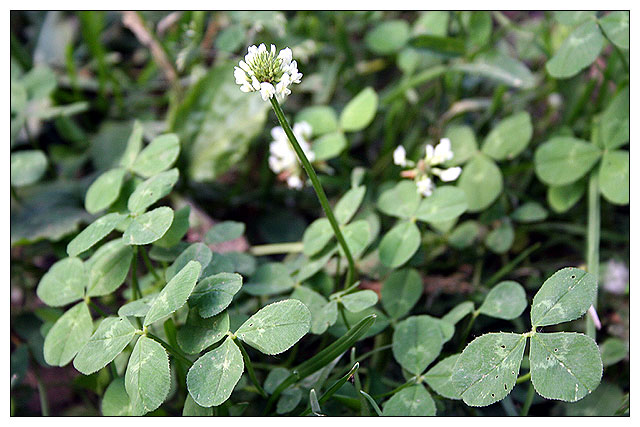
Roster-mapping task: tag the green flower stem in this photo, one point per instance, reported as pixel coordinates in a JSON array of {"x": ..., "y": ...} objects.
[
  {"x": 523, "y": 378},
  {"x": 98, "y": 309},
  {"x": 135, "y": 289},
  {"x": 171, "y": 349},
  {"x": 528, "y": 400},
  {"x": 317, "y": 187},
  {"x": 411, "y": 381},
  {"x": 467, "y": 330},
  {"x": 147, "y": 263},
  {"x": 593, "y": 239},
  {"x": 511, "y": 265},
  {"x": 249, "y": 365},
  {"x": 276, "y": 248}
]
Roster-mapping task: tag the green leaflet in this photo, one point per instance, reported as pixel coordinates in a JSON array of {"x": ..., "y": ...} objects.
[
  {"x": 63, "y": 283},
  {"x": 400, "y": 201},
  {"x": 269, "y": 279},
  {"x": 223, "y": 232},
  {"x": 115, "y": 401},
  {"x": 195, "y": 252},
  {"x": 578, "y": 51},
  {"x": 150, "y": 191},
  {"x": 510, "y": 137},
  {"x": 357, "y": 235},
  {"x": 401, "y": 291},
  {"x": 388, "y": 37},
  {"x": 329, "y": 145},
  {"x": 214, "y": 293},
  {"x": 149, "y": 227},
  {"x": 564, "y": 366},
  {"x": 439, "y": 378},
  {"x": 147, "y": 378},
  {"x": 614, "y": 177},
  {"x": 564, "y": 159},
  {"x": 500, "y": 239},
  {"x": 316, "y": 236},
  {"x": 562, "y": 198},
  {"x": 27, "y": 167},
  {"x": 481, "y": 181},
  {"x": 616, "y": 26},
  {"x": 499, "y": 67},
  {"x": 108, "y": 268},
  {"x": 322, "y": 118},
  {"x": 213, "y": 376},
  {"x": 360, "y": 300},
  {"x": 348, "y": 205},
  {"x": 68, "y": 335},
  {"x": 414, "y": 401},
  {"x": 399, "y": 244},
  {"x": 564, "y": 296},
  {"x": 445, "y": 204},
  {"x": 178, "y": 229},
  {"x": 613, "y": 350},
  {"x": 276, "y": 327},
  {"x": 95, "y": 232},
  {"x": 134, "y": 145},
  {"x": 614, "y": 122},
  {"x": 417, "y": 342},
  {"x": 198, "y": 333},
  {"x": 192, "y": 409},
  {"x": 111, "y": 337},
  {"x": 487, "y": 369},
  {"x": 104, "y": 190},
  {"x": 175, "y": 294},
  {"x": 507, "y": 300},
  {"x": 359, "y": 112},
  {"x": 323, "y": 313},
  {"x": 158, "y": 156},
  {"x": 459, "y": 312},
  {"x": 139, "y": 307},
  {"x": 463, "y": 144},
  {"x": 529, "y": 212},
  {"x": 464, "y": 234}
]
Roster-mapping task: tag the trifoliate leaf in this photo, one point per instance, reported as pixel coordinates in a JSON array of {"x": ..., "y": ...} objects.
[
  {"x": 223, "y": 232},
  {"x": 400, "y": 201},
  {"x": 148, "y": 227},
  {"x": 446, "y": 203},
  {"x": 417, "y": 342},
  {"x": 565, "y": 296},
  {"x": 111, "y": 337},
  {"x": 360, "y": 300},
  {"x": 158, "y": 156},
  {"x": 195, "y": 252},
  {"x": 269, "y": 279},
  {"x": 321, "y": 316},
  {"x": 104, "y": 190},
  {"x": 487, "y": 369},
  {"x": 213, "y": 376},
  {"x": 564, "y": 366},
  {"x": 178, "y": 229},
  {"x": 68, "y": 335},
  {"x": 276, "y": 327},
  {"x": 506, "y": 300},
  {"x": 63, "y": 283},
  {"x": 175, "y": 294},
  {"x": 148, "y": 378},
  {"x": 95, "y": 232}
]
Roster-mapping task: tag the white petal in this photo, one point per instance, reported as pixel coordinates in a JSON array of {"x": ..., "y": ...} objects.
[
  {"x": 255, "y": 83},
  {"x": 442, "y": 152},
  {"x": 294, "y": 181},
  {"x": 278, "y": 134},
  {"x": 450, "y": 174},
  {"x": 285, "y": 55},
  {"x": 273, "y": 49},
  {"x": 400, "y": 156},
  {"x": 425, "y": 186},
  {"x": 429, "y": 153},
  {"x": 262, "y": 48}
]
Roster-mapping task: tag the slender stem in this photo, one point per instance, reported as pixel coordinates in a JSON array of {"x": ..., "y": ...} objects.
[
  {"x": 523, "y": 378},
  {"x": 593, "y": 239},
  {"x": 335, "y": 387},
  {"x": 42, "y": 393},
  {"x": 147, "y": 263},
  {"x": 343, "y": 316},
  {"x": 317, "y": 187},
  {"x": 511, "y": 265},
  {"x": 411, "y": 381},
  {"x": 527, "y": 403},
  {"x": 249, "y": 365},
  {"x": 174, "y": 351},
  {"x": 466, "y": 332},
  {"x": 276, "y": 248},
  {"x": 135, "y": 289},
  {"x": 98, "y": 309}
]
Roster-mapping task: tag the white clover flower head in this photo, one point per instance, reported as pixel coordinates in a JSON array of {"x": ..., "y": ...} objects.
[
  {"x": 282, "y": 157},
  {"x": 425, "y": 186},
  {"x": 400, "y": 156},
  {"x": 265, "y": 71},
  {"x": 440, "y": 154}
]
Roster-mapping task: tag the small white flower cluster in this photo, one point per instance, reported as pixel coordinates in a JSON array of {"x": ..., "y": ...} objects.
[
  {"x": 262, "y": 70},
  {"x": 283, "y": 159},
  {"x": 422, "y": 171}
]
